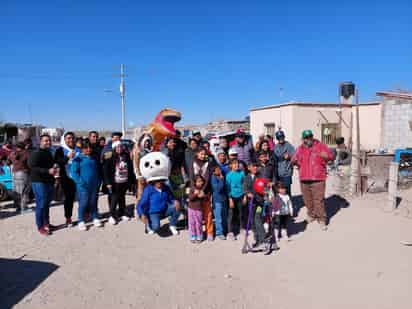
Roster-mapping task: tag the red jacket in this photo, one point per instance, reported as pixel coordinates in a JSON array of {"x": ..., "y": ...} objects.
[{"x": 311, "y": 165}]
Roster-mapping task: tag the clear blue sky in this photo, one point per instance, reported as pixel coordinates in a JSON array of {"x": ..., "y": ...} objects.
[{"x": 208, "y": 59}]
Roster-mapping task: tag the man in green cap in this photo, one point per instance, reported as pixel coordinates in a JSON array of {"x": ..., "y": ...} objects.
[{"x": 312, "y": 158}]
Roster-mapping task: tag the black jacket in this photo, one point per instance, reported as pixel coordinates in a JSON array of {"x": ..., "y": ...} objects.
[
  {"x": 268, "y": 171},
  {"x": 109, "y": 169},
  {"x": 40, "y": 161}
]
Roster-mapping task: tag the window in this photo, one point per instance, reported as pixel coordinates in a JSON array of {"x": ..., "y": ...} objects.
[
  {"x": 330, "y": 131},
  {"x": 270, "y": 129}
]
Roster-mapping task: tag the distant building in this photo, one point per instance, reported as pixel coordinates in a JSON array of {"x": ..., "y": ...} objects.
[
  {"x": 396, "y": 119},
  {"x": 55, "y": 133},
  {"x": 19, "y": 132},
  {"x": 322, "y": 118}
]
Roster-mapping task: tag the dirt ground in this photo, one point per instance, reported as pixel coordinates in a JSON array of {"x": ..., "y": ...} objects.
[{"x": 358, "y": 263}]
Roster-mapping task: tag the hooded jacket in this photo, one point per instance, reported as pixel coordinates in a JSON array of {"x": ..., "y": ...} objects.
[{"x": 154, "y": 201}]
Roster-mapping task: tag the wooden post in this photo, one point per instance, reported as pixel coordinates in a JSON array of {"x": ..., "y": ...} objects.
[
  {"x": 393, "y": 185},
  {"x": 355, "y": 181}
]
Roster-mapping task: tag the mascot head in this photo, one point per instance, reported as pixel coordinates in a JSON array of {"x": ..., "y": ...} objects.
[
  {"x": 155, "y": 166},
  {"x": 163, "y": 126}
]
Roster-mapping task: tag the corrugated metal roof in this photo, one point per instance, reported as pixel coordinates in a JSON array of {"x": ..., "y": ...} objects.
[
  {"x": 311, "y": 104},
  {"x": 395, "y": 94}
]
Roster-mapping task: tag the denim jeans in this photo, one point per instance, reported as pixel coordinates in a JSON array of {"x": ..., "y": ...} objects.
[
  {"x": 220, "y": 213},
  {"x": 87, "y": 201},
  {"x": 43, "y": 193},
  {"x": 171, "y": 212}
]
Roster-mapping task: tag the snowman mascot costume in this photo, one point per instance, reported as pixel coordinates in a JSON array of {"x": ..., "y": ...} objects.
[{"x": 157, "y": 201}]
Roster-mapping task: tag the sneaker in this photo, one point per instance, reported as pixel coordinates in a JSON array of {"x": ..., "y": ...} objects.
[
  {"x": 210, "y": 238},
  {"x": 149, "y": 231},
  {"x": 221, "y": 237},
  {"x": 230, "y": 236},
  {"x": 199, "y": 239},
  {"x": 173, "y": 230},
  {"x": 323, "y": 226},
  {"x": 69, "y": 222},
  {"x": 44, "y": 232},
  {"x": 82, "y": 226},
  {"x": 309, "y": 219},
  {"x": 26, "y": 211},
  {"x": 125, "y": 218},
  {"x": 50, "y": 227},
  {"x": 289, "y": 238},
  {"x": 97, "y": 223},
  {"x": 193, "y": 238},
  {"x": 112, "y": 221}
]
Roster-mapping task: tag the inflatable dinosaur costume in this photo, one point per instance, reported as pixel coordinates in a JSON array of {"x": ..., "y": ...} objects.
[{"x": 161, "y": 127}]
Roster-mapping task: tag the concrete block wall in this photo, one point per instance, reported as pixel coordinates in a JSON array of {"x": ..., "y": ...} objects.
[{"x": 396, "y": 130}]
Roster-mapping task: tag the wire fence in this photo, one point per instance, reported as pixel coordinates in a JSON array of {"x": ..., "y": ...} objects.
[{"x": 398, "y": 202}]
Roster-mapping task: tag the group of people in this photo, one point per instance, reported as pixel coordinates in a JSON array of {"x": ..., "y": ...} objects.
[{"x": 240, "y": 186}]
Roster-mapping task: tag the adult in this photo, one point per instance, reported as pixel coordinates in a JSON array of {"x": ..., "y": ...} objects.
[
  {"x": 190, "y": 154},
  {"x": 106, "y": 154},
  {"x": 118, "y": 177},
  {"x": 222, "y": 162},
  {"x": 223, "y": 144},
  {"x": 42, "y": 173},
  {"x": 264, "y": 146},
  {"x": 283, "y": 153},
  {"x": 94, "y": 143},
  {"x": 311, "y": 158},
  {"x": 21, "y": 180},
  {"x": 143, "y": 147},
  {"x": 342, "y": 165},
  {"x": 28, "y": 145},
  {"x": 6, "y": 150},
  {"x": 244, "y": 149},
  {"x": 177, "y": 177},
  {"x": 102, "y": 142},
  {"x": 64, "y": 156},
  {"x": 197, "y": 136}
]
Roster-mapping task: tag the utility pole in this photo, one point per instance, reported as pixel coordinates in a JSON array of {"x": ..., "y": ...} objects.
[{"x": 122, "y": 96}]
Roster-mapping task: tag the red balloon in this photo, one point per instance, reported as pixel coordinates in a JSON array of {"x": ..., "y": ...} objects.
[{"x": 260, "y": 184}]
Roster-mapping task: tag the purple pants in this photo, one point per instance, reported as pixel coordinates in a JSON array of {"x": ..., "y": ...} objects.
[{"x": 195, "y": 222}]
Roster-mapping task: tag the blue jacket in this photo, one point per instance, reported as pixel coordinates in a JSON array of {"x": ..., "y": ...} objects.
[
  {"x": 154, "y": 201},
  {"x": 218, "y": 189},
  {"x": 234, "y": 182},
  {"x": 85, "y": 173},
  {"x": 224, "y": 167}
]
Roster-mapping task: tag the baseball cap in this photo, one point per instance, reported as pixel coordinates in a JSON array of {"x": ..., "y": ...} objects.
[
  {"x": 307, "y": 133},
  {"x": 279, "y": 135},
  {"x": 119, "y": 134},
  {"x": 232, "y": 151}
]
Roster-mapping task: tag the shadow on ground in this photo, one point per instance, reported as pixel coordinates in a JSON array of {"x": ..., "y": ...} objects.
[
  {"x": 20, "y": 277},
  {"x": 333, "y": 204}
]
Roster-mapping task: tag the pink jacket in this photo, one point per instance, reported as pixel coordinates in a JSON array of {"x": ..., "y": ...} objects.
[{"x": 311, "y": 165}]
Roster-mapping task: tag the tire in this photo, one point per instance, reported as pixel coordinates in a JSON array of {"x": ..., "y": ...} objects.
[{"x": 3, "y": 193}]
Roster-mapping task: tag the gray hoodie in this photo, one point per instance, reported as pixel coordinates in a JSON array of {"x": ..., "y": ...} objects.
[{"x": 285, "y": 169}]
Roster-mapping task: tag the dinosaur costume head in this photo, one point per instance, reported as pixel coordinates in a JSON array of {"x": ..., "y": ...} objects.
[{"x": 163, "y": 126}]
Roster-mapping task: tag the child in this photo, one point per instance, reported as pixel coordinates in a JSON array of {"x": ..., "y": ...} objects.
[
  {"x": 85, "y": 173},
  {"x": 196, "y": 198},
  {"x": 219, "y": 199},
  {"x": 201, "y": 166},
  {"x": 156, "y": 203},
  {"x": 234, "y": 184},
  {"x": 285, "y": 209},
  {"x": 259, "y": 203},
  {"x": 266, "y": 168}
]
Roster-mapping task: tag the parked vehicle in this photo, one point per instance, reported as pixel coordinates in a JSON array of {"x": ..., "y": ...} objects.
[{"x": 6, "y": 182}]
